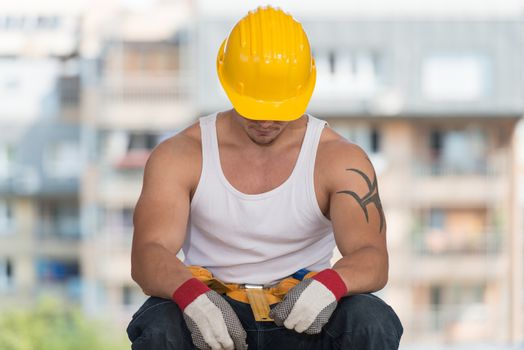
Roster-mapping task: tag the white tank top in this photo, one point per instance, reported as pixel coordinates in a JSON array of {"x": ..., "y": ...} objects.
[{"x": 257, "y": 238}]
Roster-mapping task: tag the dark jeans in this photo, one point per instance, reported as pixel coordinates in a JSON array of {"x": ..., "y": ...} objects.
[{"x": 360, "y": 321}]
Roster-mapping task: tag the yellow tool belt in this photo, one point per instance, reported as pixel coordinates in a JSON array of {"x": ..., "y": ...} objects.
[{"x": 258, "y": 297}]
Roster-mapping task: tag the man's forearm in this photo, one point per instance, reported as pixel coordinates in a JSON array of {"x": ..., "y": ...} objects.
[
  {"x": 364, "y": 270},
  {"x": 157, "y": 270}
]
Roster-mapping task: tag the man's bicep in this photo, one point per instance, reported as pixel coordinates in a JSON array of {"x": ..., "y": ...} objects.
[
  {"x": 355, "y": 207},
  {"x": 162, "y": 210}
]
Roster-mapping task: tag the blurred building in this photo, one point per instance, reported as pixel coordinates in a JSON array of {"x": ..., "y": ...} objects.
[
  {"x": 433, "y": 95},
  {"x": 434, "y": 98},
  {"x": 40, "y": 155},
  {"x": 137, "y": 91}
]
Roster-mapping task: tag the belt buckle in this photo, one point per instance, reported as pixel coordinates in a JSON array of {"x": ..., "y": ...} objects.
[
  {"x": 258, "y": 302},
  {"x": 253, "y": 286}
]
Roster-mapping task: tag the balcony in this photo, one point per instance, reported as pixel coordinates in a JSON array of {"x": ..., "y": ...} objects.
[
  {"x": 134, "y": 159},
  {"x": 59, "y": 277},
  {"x": 69, "y": 291},
  {"x": 494, "y": 166},
  {"x": 452, "y": 322},
  {"x": 59, "y": 237},
  {"x": 109, "y": 253},
  {"x": 61, "y": 229},
  {"x": 433, "y": 242},
  {"x": 440, "y": 182},
  {"x": 435, "y": 255},
  {"x": 119, "y": 186},
  {"x": 139, "y": 100},
  {"x": 69, "y": 92}
]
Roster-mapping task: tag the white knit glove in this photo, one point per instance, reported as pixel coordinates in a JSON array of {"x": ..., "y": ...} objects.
[
  {"x": 211, "y": 320},
  {"x": 308, "y": 306}
]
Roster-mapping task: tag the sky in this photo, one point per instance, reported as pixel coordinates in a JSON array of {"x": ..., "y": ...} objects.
[{"x": 334, "y": 8}]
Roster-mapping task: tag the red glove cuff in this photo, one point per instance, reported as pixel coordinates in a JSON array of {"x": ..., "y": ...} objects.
[
  {"x": 332, "y": 280},
  {"x": 189, "y": 291}
]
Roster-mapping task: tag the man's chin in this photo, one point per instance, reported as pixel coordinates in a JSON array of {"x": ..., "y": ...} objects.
[{"x": 262, "y": 140}]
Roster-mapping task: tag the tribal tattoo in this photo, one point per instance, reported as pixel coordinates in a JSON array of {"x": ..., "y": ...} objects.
[{"x": 371, "y": 197}]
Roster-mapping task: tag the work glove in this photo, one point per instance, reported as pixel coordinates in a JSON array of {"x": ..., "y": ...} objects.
[
  {"x": 308, "y": 306},
  {"x": 211, "y": 320}
]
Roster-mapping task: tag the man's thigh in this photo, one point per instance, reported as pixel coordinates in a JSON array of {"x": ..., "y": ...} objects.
[
  {"x": 363, "y": 321},
  {"x": 360, "y": 321}
]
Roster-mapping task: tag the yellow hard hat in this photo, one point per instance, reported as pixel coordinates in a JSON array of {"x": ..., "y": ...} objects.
[{"x": 265, "y": 66}]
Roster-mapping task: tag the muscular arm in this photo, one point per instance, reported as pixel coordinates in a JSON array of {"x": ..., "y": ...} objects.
[
  {"x": 358, "y": 220},
  {"x": 160, "y": 219}
]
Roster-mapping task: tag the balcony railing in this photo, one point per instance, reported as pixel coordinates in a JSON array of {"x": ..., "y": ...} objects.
[
  {"x": 495, "y": 166},
  {"x": 139, "y": 88},
  {"x": 438, "y": 242},
  {"x": 70, "y": 290},
  {"x": 134, "y": 159},
  {"x": 59, "y": 229},
  {"x": 453, "y": 321},
  {"x": 116, "y": 236}
]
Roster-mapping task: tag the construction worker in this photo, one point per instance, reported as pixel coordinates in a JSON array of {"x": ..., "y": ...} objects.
[{"x": 257, "y": 197}]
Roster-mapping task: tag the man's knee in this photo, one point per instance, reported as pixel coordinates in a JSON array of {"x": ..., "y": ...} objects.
[
  {"x": 365, "y": 314},
  {"x": 158, "y": 324}
]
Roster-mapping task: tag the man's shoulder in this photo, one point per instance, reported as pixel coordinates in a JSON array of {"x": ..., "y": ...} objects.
[
  {"x": 178, "y": 157},
  {"x": 334, "y": 149},
  {"x": 335, "y": 155},
  {"x": 184, "y": 144}
]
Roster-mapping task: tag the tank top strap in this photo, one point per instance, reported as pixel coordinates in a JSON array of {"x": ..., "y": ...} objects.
[
  {"x": 207, "y": 130},
  {"x": 311, "y": 142}
]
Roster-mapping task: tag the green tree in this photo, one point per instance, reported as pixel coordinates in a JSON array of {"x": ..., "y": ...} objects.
[{"x": 53, "y": 326}]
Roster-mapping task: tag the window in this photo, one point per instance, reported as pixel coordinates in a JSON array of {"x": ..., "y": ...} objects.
[
  {"x": 48, "y": 22},
  {"x": 457, "y": 293},
  {"x": 62, "y": 159},
  {"x": 437, "y": 218},
  {"x": 458, "y": 150},
  {"x": 369, "y": 138},
  {"x": 332, "y": 62},
  {"x": 375, "y": 140},
  {"x": 6, "y": 217},
  {"x": 456, "y": 77},
  {"x": 126, "y": 295},
  {"x": 6, "y": 274},
  {"x": 435, "y": 296},
  {"x": 132, "y": 296},
  {"x": 57, "y": 270},
  {"x": 454, "y": 304},
  {"x": 59, "y": 219},
  {"x": 118, "y": 219},
  {"x": 127, "y": 218},
  {"x": 354, "y": 74},
  {"x": 435, "y": 143},
  {"x": 142, "y": 141}
]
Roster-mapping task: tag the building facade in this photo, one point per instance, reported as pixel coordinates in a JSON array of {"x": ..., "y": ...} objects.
[
  {"x": 434, "y": 100},
  {"x": 40, "y": 154}
]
